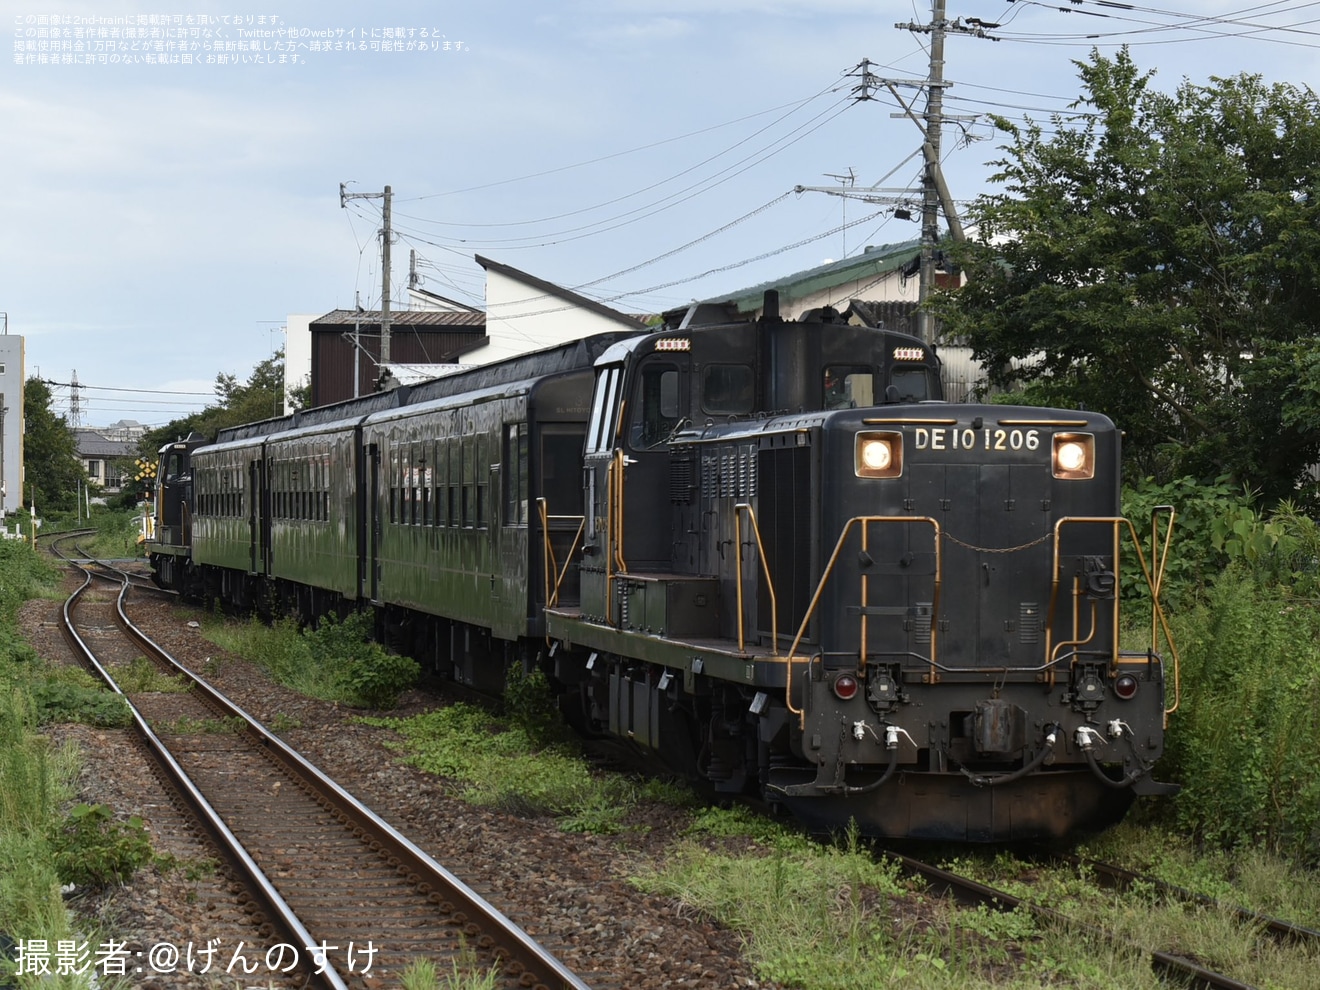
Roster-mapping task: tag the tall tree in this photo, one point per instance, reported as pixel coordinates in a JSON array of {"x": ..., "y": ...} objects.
[
  {"x": 51, "y": 469},
  {"x": 260, "y": 397},
  {"x": 1157, "y": 257}
]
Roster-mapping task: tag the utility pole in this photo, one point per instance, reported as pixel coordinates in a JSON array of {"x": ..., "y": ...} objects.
[
  {"x": 386, "y": 235},
  {"x": 935, "y": 192},
  {"x": 933, "y": 195}
]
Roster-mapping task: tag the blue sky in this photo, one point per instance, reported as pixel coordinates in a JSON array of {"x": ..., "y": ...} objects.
[{"x": 162, "y": 216}]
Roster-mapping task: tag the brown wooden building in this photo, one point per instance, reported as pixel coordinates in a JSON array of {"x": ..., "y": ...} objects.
[{"x": 417, "y": 337}]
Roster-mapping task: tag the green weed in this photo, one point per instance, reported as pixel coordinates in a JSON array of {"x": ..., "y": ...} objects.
[
  {"x": 142, "y": 676},
  {"x": 337, "y": 661},
  {"x": 503, "y": 766},
  {"x": 92, "y": 849}
]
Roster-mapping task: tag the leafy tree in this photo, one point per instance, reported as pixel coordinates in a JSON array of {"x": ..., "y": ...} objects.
[
  {"x": 51, "y": 469},
  {"x": 260, "y": 397},
  {"x": 1157, "y": 257}
]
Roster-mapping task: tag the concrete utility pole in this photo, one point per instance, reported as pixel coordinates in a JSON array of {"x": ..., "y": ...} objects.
[
  {"x": 386, "y": 235},
  {"x": 934, "y": 194}
]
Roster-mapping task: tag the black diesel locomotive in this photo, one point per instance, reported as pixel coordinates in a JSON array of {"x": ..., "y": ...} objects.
[{"x": 764, "y": 551}]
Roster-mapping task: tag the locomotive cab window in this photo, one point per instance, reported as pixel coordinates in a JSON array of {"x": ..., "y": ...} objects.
[
  {"x": 848, "y": 386},
  {"x": 908, "y": 383},
  {"x": 728, "y": 389},
  {"x": 655, "y": 405},
  {"x": 604, "y": 410}
]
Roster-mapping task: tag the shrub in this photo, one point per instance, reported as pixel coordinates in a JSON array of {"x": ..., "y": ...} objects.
[
  {"x": 371, "y": 676},
  {"x": 92, "y": 849},
  {"x": 1244, "y": 739},
  {"x": 72, "y": 695},
  {"x": 1196, "y": 553}
]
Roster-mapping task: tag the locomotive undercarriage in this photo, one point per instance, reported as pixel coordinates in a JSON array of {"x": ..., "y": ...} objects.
[{"x": 902, "y": 759}]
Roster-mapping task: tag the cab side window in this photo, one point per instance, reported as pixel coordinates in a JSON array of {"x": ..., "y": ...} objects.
[
  {"x": 728, "y": 389},
  {"x": 848, "y": 387},
  {"x": 655, "y": 405}
]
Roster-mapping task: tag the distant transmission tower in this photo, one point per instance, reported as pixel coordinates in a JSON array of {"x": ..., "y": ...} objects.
[{"x": 75, "y": 401}]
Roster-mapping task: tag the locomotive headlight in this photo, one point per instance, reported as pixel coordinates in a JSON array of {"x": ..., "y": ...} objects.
[
  {"x": 1074, "y": 456},
  {"x": 878, "y": 455}
]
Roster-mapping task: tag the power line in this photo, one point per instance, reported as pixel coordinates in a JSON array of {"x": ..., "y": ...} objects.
[{"x": 110, "y": 388}]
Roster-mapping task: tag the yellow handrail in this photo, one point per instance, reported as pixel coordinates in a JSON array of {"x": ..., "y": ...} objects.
[
  {"x": 551, "y": 564},
  {"x": 1153, "y": 583},
  {"x": 738, "y": 510}
]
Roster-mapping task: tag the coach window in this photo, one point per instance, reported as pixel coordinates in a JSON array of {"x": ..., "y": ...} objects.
[
  {"x": 468, "y": 508},
  {"x": 728, "y": 389},
  {"x": 455, "y": 483},
  {"x": 656, "y": 408},
  {"x": 428, "y": 485},
  {"x": 848, "y": 386},
  {"x": 515, "y": 474}
]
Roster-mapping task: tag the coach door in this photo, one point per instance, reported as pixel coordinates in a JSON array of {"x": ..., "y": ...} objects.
[
  {"x": 258, "y": 518},
  {"x": 371, "y": 517}
]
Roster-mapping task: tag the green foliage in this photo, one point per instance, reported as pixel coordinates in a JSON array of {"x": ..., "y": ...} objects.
[
  {"x": 51, "y": 469},
  {"x": 70, "y": 695},
  {"x": 337, "y": 661},
  {"x": 1196, "y": 552},
  {"x": 1156, "y": 256},
  {"x": 34, "y": 780},
  {"x": 465, "y": 973},
  {"x": 370, "y": 676},
  {"x": 26, "y": 798},
  {"x": 93, "y": 849},
  {"x": 530, "y": 704},
  {"x": 811, "y": 916},
  {"x": 24, "y": 574},
  {"x": 142, "y": 675},
  {"x": 738, "y": 821},
  {"x": 506, "y": 767},
  {"x": 259, "y": 398},
  {"x": 1244, "y": 738},
  {"x": 1280, "y": 551}
]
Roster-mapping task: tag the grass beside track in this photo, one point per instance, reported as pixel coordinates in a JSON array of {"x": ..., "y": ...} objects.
[{"x": 36, "y": 780}]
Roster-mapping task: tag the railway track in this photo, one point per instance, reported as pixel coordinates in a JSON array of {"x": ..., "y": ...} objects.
[
  {"x": 1119, "y": 878},
  {"x": 1177, "y": 969},
  {"x": 327, "y": 880}
]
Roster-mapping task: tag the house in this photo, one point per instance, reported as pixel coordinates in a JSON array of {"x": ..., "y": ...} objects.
[
  {"x": 345, "y": 347},
  {"x": 103, "y": 458},
  {"x": 878, "y": 287}
]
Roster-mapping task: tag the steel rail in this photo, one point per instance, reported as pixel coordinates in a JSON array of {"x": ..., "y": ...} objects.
[
  {"x": 966, "y": 890},
  {"x": 274, "y": 906},
  {"x": 526, "y": 952},
  {"x": 1118, "y": 877}
]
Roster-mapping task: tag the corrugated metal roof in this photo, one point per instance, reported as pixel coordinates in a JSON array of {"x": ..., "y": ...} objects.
[
  {"x": 402, "y": 318},
  {"x": 872, "y": 261}
]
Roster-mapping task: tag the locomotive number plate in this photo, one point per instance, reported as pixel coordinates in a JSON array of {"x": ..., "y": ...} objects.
[{"x": 997, "y": 438}]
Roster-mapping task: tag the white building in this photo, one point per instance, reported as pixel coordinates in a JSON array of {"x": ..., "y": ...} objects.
[{"x": 12, "y": 376}]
